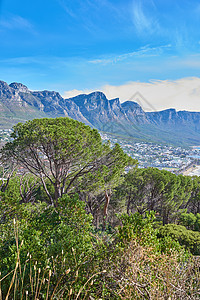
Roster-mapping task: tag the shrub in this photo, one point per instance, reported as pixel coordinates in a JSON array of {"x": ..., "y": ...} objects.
[{"x": 188, "y": 238}]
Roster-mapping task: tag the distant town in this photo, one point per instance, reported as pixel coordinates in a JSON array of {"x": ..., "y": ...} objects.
[
  {"x": 178, "y": 160},
  {"x": 5, "y": 135}
]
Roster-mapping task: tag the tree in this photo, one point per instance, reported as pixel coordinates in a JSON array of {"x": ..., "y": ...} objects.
[
  {"x": 190, "y": 221},
  {"x": 7, "y": 171},
  {"x": 190, "y": 239},
  {"x": 175, "y": 196},
  {"x": 96, "y": 187},
  {"x": 62, "y": 152},
  {"x": 153, "y": 187},
  {"x": 130, "y": 192},
  {"x": 193, "y": 204},
  {"x": 158, "y": 190}
]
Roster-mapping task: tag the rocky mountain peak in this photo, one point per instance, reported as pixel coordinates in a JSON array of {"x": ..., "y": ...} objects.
[
  {"x": 130, "y": 106},
  {"x": 97, "y": 96},
  {"x": 48, "y": 94},
  {"x": 115, "y": 102},
  {"x": 170, "y": 110},
  {"x": 3, "y": 85},
  {"x": 19, "y": 87},
  {"x": 6, "y": 92}
]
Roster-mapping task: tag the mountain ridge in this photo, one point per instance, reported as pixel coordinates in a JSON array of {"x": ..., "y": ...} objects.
[{"x": 18, "y": 103}]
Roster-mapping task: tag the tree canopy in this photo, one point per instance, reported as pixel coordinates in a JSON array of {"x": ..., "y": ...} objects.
[{"x": 65, "y": 153}]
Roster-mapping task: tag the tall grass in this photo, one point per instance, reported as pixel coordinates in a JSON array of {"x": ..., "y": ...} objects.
[
  {"x": 137, "y": 272},
  {"x": 29, "y": 281}
]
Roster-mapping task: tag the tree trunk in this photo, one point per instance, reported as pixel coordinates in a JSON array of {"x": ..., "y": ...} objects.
[
  {"x": 46, "y": 190},
  {"x": 165, "y": 217},
  {"x": 105, "y": 211},
  {"x": 57, "y": 192},
  {"x": 128, "y": 205}
]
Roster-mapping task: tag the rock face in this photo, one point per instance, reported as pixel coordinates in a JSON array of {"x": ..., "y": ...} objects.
[
  {"x": 19, "y": 87},
  {"x": 18, "y": 103},
  {"x": 13, "y": 108},
  {"x": 134, "y": 112}
]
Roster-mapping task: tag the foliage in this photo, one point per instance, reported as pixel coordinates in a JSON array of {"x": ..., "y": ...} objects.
[
  {"x": 143, "y": 230},
  {"x": 194, "y": 203},
  {"x": 48, "y": 233},
  {"x": 54, "y": 250},
  {"x": 65, "y": 153},
  {"x": 190, "y": 220},
  {"x": 190, "y": 239},
  {"x": 57, "y": 255},
  {"x": 158, "y": 190}
]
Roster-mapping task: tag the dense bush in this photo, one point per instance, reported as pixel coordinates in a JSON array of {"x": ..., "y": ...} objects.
[
  {"x": 48, "y": 236},
  {"x": 190, "y": 239},
  {"x": 55, "y": 254},
  {"x": 190, "y": 220}
]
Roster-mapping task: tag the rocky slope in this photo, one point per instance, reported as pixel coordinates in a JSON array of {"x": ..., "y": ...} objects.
[{"x": 18, "y": 103}]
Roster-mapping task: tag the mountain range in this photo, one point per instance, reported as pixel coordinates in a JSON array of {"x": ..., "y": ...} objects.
[{"x": 128, "y": 119}]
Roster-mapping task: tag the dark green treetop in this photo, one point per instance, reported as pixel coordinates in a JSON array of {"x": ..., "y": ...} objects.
[{"x": 63, "y": 151}]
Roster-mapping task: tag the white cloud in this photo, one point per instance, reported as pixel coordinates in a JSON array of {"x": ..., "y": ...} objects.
[
  {"x": 145, "y": 51},
  {"x": 181, "y": 94}
]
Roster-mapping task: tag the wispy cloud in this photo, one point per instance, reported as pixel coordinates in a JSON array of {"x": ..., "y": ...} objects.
[
  {"x": 16, "y": 22},
  {"x": 66, "y": 8},
  {"x": 143, "y": 22},
  {"x": 116, "y": 10},
  {"x": 95, "y": 15},
  {"x": 145, "y": 51}
]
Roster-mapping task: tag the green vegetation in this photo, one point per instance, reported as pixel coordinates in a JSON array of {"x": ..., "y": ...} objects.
[
  {"x": 191, "y": 221},
  {"x": 66, "y": 154},
  {"x": 190, "y": 239},
  {"x": 75, "y": 225}
]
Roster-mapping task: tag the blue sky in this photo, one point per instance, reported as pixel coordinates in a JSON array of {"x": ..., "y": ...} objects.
[{"x": 85, "y": 44}]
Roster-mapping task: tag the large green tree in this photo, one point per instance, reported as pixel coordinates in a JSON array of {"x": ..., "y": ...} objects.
[
  {"x": 193, "y": 204},
  {"x": 64, "y": 154},
  {"x": 158, "y": 190}
]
